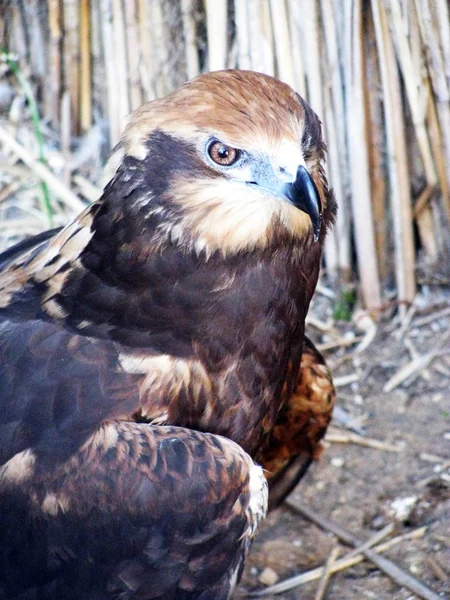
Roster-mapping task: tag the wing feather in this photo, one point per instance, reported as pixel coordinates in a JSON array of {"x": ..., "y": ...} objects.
[{"x": 139, "y": 511}]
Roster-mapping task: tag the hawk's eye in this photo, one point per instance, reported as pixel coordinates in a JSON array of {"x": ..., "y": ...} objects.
[{"x": 222, "y": 154}]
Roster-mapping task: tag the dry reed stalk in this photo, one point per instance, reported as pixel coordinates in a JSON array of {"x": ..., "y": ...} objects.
[
  {"x": 65, "y": 134},
  {"x": 120, "y": 63},
  {"x": 339, "y": 233},
  {"x": 360, "y": 178},
  {"x": 133, "y": 54},
  {"x": 320, "y": 594},
  {"x": 436, "y": 65},
  {"x": 280, "y": 24},
  {"x": 436, "y": 143},
  {"x": 423, "y": 200},
  {"x": 98, "y": 66},
  {"x": 145, "y": 50},
  {"x": 85, "y": 67},
  {"x": 347, "y": 562},
  {"x": 443, "y": 19},
  {"x": 87, "y": 189},
  {"x": 43, "y": 172},
  {"x": 310, "y": 34},
  {"x": 376, "y": 151},
  {"x": 242, "y": 34},
  {"x": 336, "y": 140},
  {"x": 159, "y": 49},
  {"x": 267, "y": 39},
  {"x": 254, "y": 34},
  {"x": 53, "y": 87},
  {"x": 216, "y": 25},
  {"x": 256, "y": 40},
  {"x": 111, "y": 79},
  {"x": 190, "y": 38},
  {"x": 309, "y": 27},
  {"x": 71, "y": 55},
  {"x": 295, "y": 12},
  {"x": 418, "y": 98},
  {"x": 37, "y": 55},
  {"x": 412, "y": 77},
  {"x": 401, "y": 577},
  {"x": 15, "y": 34},
  {"x": 398, "y": 161},
  {"x": 436, "y": 135}
]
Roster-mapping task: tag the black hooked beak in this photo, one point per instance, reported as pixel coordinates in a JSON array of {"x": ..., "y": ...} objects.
[{"x": 303, "y": 194}]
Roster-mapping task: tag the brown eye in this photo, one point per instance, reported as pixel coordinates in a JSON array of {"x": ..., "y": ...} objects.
[{"x": 222, "y": 154}]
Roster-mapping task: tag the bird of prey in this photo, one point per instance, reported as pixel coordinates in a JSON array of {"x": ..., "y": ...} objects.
[{"x": 150, "y": 352}]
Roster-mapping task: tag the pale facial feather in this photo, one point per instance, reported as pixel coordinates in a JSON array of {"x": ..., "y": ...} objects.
[{"x": 230, "y": 216}]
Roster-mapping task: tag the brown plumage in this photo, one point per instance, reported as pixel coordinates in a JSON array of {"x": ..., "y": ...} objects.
[
  {"x": 178, "y": 299},
  {"x": 300, "y": 426}
]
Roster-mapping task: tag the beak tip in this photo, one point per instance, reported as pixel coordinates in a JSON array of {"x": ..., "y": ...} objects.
[
  {"x": 317, "y": 227},
  {"x": 306, "y": 197}
]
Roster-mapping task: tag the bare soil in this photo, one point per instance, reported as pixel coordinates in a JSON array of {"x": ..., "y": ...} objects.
[{"x": 359, "y": 487}]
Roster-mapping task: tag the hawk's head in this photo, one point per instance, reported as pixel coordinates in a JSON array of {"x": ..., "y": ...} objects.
[{"x": 227, "y": 161}]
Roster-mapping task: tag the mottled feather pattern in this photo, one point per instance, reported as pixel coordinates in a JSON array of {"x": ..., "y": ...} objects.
[{"x": 162, "y": 492}]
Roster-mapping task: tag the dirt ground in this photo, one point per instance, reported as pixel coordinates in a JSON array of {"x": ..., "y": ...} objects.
[{"x": 363, "y": 489}]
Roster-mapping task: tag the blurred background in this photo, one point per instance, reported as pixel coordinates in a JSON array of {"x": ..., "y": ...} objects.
[{"x": 376, "y": 71}]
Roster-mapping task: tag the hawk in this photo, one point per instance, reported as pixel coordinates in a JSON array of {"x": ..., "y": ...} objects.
[{"x": 150, "y": 352}]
